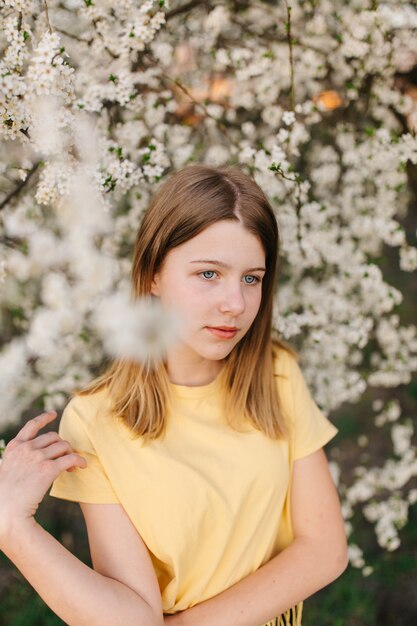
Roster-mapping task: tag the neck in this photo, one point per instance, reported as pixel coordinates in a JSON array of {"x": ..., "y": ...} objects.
[{"x": 194, "y": 374}]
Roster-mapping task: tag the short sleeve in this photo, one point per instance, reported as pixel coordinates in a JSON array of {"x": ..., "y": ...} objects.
[
  {"x": 312, "y": 429},
  {"x": 90, "y": 484}
]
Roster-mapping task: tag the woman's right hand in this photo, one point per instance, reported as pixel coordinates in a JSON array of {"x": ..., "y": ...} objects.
[{"x": 29, "y": 465}]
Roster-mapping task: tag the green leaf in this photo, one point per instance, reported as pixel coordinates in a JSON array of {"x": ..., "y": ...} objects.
[
  {"x": 275, "y": 167},
  {"x": 17, "y": 312},
  {"x": 85, "y": 335},
  {"x": 110, "y": 183}
]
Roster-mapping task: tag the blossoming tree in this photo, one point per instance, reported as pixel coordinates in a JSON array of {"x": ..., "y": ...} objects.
[{"x": 100, "y": 101}]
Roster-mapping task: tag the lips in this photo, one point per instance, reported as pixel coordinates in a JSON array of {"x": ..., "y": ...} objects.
[
  {"x": 223, "y": 332},
  {"x": 227, "y": 328}
]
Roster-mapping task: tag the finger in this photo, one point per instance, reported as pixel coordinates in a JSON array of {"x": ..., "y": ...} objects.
[
  {"x": 57, "y": 449},
  {"x": 31, "y": 427},
  {"x": 46, "y": 439},
  {"x": 70, "y": 461}
]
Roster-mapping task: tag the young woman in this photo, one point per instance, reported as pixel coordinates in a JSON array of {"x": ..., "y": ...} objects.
[{"x": 202, "y": 479}]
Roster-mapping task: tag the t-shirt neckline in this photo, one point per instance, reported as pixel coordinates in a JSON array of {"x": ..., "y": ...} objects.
[{"x": 198, "y": 391}]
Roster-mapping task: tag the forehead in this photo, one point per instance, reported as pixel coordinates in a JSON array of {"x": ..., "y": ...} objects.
[{"x": 226, "y": 237}]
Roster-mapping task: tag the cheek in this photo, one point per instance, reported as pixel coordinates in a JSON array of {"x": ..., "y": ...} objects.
[
  {"x": 253, "y": 305},
  {"x": 255, "y": 298},
  {"x": 187, "y": 300}
]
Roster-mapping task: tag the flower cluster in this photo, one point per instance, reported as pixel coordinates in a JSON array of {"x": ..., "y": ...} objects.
[{"x": 99, "y": 101}]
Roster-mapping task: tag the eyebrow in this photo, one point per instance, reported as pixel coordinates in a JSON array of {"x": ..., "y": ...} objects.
[{"x": 226, "y": 266}]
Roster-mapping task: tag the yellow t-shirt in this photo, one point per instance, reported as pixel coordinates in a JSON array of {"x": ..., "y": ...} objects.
[{"x": 211, "y": 504}]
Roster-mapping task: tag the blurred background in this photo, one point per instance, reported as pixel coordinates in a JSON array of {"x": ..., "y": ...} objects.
[{"x": 318, "y": 101}]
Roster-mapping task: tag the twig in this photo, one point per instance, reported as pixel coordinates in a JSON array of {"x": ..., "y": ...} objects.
[
  {"x": 290, "y": 47},
  {"x": 183, "y": 8},
  {"x": 72, "y": 36},
  {"x": 19, "y": 186},
  {"x": 100, "y": 34},
  {"x": 47, "y": 16},
  {"x": 223, "y": 129},
  {"x": 276, "y": 167},
  {"x": 11, "y": 242}
]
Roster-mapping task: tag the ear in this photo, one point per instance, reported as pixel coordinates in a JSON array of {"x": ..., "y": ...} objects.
[{"x": 155, "y": 285}]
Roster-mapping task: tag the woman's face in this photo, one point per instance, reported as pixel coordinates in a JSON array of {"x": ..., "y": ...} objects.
[{"x": 212, "y": 280}]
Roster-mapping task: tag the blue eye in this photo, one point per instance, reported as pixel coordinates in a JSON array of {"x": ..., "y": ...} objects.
[
  {"x": 208, "y": 272},
  {"x": 254, "y": 280}
]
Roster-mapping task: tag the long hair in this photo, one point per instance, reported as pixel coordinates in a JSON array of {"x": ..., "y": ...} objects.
[{"x": 189, "y": 201}]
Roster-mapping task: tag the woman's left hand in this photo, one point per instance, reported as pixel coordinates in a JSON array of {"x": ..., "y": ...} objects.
[{"x": 29, "y": 465}]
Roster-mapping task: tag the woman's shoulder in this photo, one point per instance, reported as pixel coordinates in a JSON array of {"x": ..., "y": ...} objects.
[
  {"x": 88, "y": 406},
  {"x": 285, "y": 359}
]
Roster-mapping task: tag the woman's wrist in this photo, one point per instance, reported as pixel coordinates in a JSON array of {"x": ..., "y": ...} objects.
[{"x": 12, "y": 527}]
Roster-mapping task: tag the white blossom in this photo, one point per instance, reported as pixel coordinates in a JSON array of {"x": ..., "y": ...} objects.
[
  {"x": 288, "y": 117},
  {"x": 97, "y": 111},
  {"x": 139, "y": 331},
  {"x": 408, "y": 258}
]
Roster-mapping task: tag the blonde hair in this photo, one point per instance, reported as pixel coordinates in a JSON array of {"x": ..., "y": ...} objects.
[{"x": 189, "y": 201}]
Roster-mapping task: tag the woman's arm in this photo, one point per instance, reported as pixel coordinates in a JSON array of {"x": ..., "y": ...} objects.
[
  {"x": 314, "y": 559},
  {"x": 79, "y": 595},
  {"x": 74, "y": 591}
]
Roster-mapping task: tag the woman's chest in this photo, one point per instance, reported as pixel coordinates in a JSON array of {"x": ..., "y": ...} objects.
[{"x": 202, "y": 474}]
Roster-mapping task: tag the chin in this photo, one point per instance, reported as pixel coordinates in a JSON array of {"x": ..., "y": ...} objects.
[{"x": 221, "y": 353}]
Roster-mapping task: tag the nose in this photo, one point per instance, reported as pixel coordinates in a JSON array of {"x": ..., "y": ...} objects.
[{"x": 232, "y": 301}]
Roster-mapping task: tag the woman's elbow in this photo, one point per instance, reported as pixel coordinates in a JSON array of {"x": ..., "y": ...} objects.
[
  {"x": 331, "y": 559},
  {"x": 338, "y": 561}
]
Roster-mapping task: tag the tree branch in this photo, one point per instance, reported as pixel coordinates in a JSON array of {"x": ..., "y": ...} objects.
[
  {"x": 19, "y": 186},
  {"x": 290, "y": 46},
  {"x": 185, "y": 7},
  {"x": 11, "y": 242},
  {"x": 47, "y": 16},
  {"x": 219, "y": 124}
]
